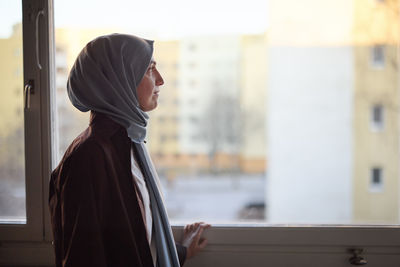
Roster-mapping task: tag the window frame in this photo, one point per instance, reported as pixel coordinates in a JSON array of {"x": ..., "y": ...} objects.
[{"x": 36, "y": 120}]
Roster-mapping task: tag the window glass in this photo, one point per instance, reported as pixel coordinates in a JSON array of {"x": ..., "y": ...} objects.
[
  {"x": 378, "y": 55},
  {"x": 377, "y": 117},
  {"x": 264, "y": 118},
  {"x": 376, "y": 184},
  {"x": 378, "y": 114},
  {"x": 12, "y": 151}
]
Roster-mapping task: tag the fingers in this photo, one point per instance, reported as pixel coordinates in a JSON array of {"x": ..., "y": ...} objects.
[
  {"x": 192, "y": 238},
  {"x": 206, "y": 225},
  {"x": 193, "y": 226},
  {"x": 198, "y": 233},
  {"x": 195, "y": 230},
  {"x": 203, "y": 243},
  {"x": 186, "y": 228}
]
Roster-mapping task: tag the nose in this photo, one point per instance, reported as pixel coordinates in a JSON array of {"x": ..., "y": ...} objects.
[{"x": 159, "y": 79}]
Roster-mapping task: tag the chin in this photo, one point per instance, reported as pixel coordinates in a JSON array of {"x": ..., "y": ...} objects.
[{"x": 151, "y": 107}]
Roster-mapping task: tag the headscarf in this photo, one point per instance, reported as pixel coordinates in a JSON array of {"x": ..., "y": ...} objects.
[{"x": 104, "y": 78}]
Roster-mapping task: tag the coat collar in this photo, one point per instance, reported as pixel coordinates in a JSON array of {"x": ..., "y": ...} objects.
[{"x": 104, "y": 125}]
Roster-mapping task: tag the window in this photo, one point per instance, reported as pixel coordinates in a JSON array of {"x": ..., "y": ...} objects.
[
  {"x": 376, "y": 179},
  {"x": 192, "y": 83},
  {"x": 192, "y": 47},
  {"x": 25, "y": 157},
  {"x": 61, "y": 70},
  {"x": 192, "y": 102},
  {"x": 161, "y": 119},
  {"x": 309, "y": 115},
  {"x": 175, "y": 119},
  {"x": 163, "y": 138},
  {"x": 20, "y": 156},
  {"x": 260, "y": 98},
  {"x": 191, "y": 65},
  {"x": 377, "y": 117},
  {"x": 378, "y": 56},
  {"x": 193, "y": 119}
]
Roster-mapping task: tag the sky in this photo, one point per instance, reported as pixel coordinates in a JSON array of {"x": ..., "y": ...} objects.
[{"x": 166, "y": 19}]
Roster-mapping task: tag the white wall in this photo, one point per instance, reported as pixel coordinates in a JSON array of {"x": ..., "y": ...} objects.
[{"x": 309, "y": 134}]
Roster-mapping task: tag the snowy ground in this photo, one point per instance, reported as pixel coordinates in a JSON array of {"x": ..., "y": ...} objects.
[{"x": 215, "y": 198}]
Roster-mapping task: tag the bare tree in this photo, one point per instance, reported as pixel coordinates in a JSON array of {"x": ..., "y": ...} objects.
[{"x": 220, "y": 128}]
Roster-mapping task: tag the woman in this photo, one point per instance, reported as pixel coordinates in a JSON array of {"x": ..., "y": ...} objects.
[{"x": 105, "y": 204}]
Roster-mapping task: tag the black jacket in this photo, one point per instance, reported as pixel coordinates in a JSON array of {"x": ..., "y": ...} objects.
[{"x": 96, "y": 215}]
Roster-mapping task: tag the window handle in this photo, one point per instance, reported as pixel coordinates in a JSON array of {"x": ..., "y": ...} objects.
[
  {"x": 28, "y": 90},
  {"x": 40, "y": 13},
  {"x": 357, "y": 259}
]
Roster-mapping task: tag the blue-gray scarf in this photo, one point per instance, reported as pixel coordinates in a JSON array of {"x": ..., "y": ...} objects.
[{"x": 105, "y": 76}]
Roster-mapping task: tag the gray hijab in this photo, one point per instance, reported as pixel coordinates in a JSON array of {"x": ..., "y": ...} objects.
[{"x": 105, "y": 76}]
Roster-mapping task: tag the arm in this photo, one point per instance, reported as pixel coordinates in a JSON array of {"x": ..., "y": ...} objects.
[
  {"x": 192, "y": 241},
  {"x": 81, "y": 240},
  {"x": 181, "y": 253}
]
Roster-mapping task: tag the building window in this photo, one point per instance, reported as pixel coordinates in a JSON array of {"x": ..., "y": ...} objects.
[
  {"x": 17, "y": 52},
  {"x": 161, "y": 119},
  {"x": 192, "y": 65},
  {"x": 193, "y": 119},
  {"x": 192, "y": 47},
  {"x": 159, "y": 155},
  {"x": 378, "y": 56},
  {"x": 175, "y": 119},
  {"x": 61, "y": 70},
  {"x": 163, "y": 138},
  {"x": 377, "y": 117},
  {"x": 192, "y": 83},
  {"x": 376, "y": 179},
  {"x": 192, "y": 102}
]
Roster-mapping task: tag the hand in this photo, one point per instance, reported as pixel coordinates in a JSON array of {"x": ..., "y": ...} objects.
[{"x": 192, "y": 239}]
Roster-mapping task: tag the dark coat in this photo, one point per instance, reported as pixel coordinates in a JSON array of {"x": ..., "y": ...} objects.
[{"x": 95, "y": 206}]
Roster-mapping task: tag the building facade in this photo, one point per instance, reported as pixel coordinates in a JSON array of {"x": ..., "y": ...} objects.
[
  {"x": 376, "y": 112},
  {"x": 333, "y": 112}
]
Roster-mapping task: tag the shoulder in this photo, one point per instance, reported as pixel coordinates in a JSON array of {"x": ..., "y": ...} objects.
[
  {"x": 86, "y": 150},
  {"x": 83, "y": 165}
]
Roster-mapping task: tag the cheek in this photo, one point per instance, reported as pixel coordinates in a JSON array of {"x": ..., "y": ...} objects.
[
  {"x": 148, "y": 91},
  {"x": 142, "y": 89},
  {"x": 145, "y": 94}
]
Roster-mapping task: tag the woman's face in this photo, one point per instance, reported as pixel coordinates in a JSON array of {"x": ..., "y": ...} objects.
[{"x": 148, "y": 89}]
